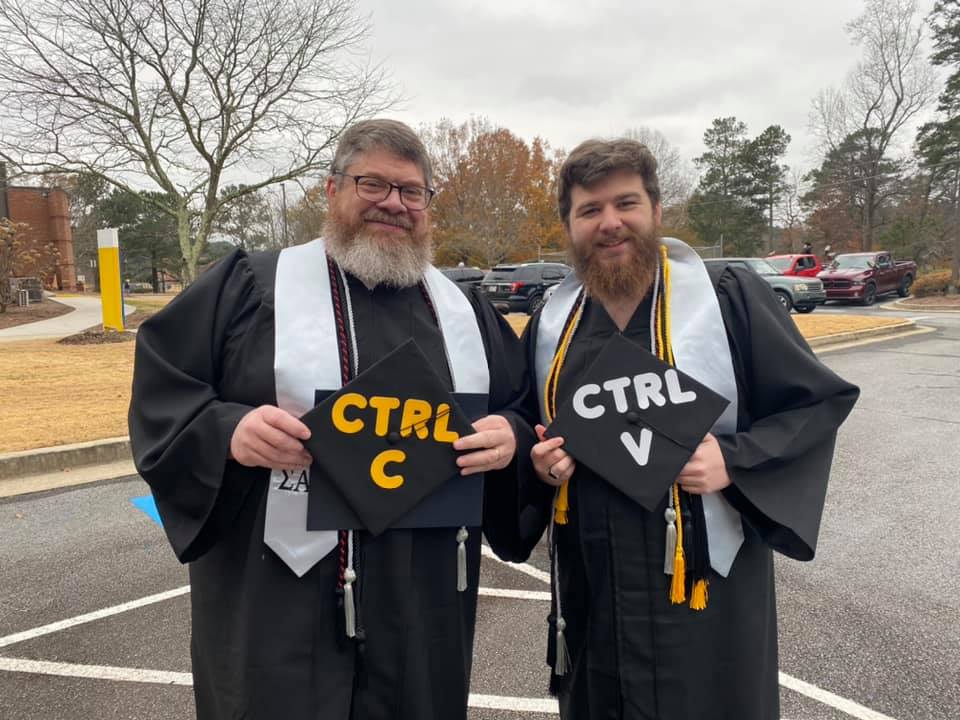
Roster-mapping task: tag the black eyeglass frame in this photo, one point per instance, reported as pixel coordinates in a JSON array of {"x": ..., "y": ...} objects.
[{"x": 430, "y": 192}]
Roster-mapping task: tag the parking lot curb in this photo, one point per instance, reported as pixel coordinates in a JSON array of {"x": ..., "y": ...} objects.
[
  {"x": 900, "y": 328},
  {"x": 901, "y": 305},
  {"x": 64, "y": 457}
]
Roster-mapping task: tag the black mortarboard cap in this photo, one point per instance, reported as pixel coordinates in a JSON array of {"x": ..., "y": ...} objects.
[
  {"x": 382, "y": 444},
  {"x": 635, "y": 420}
]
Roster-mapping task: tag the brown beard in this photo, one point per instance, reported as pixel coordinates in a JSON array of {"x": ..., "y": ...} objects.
[
  {"x": 619, "y": 279},
  {"x": 374, "y": 260}
]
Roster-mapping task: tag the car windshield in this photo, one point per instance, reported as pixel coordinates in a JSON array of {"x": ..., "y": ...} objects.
[
  {"x": 503, "y": 273},
  {"x": 852, "y": 262},
  {"x": 761, "y": 267},
  {"x": 780, "y": 264}
]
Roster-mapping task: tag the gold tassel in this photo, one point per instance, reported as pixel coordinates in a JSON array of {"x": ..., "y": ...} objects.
[
  {"x": 678, "y": 585},
  {"x": 562, "y": 505},
  {"x": 698, "y": 596}
]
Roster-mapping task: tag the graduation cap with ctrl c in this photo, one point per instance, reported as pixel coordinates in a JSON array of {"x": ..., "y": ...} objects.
[{"x": 383, "y": 444}]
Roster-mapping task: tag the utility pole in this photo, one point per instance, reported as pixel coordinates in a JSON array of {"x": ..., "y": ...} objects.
[{"x": 283, "y": 195}]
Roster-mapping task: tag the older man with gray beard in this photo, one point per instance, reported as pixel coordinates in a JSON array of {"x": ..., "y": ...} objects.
[{"x": 222, "y": 376}]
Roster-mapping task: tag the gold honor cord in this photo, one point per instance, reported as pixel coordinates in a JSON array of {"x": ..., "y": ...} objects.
[
  {"x": 678, "y": 585},
  {"x": 562, "y": 502}
]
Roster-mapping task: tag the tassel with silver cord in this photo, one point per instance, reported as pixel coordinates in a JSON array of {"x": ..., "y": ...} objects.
[
  {"x": 349, "y": 576},
  {"x": 462, "y": 536},
  {"x": 670, "y": 515}
]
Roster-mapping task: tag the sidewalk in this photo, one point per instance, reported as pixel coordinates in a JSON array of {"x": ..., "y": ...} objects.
[{"x": 86, "y": 313}]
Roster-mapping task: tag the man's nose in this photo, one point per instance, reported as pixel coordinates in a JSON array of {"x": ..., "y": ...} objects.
[
  {"x": 610, "y": 219},
  {"x": 392, "y": 203}
]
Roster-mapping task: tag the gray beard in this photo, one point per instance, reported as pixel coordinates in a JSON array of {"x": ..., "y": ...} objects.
[{"x": 397, "y": 265}]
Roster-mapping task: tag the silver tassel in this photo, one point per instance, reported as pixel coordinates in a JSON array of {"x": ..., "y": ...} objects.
[
  {"x": 349, "y": 611},
  {"x": 462, "y": 536},
  {"x": 670, "y": 515},
  {"x": 562, "y": 665}
]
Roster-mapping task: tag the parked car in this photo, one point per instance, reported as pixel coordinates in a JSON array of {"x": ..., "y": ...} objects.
[
  {"x": 804, "y": 265},
  {"x": 520, "y": 288},
  {"x": 862, "y": 277},
  {"x": 800, "y": 294},
  {"x": 464, "y": 276}
]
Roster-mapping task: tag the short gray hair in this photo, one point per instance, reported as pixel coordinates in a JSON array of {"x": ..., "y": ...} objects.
[{"x": 381, "y": 134}]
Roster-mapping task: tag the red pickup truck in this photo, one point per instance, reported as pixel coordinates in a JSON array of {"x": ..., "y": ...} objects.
[
  {"x": 863, "y": 276},
  {"x": 804, "y": 265}
]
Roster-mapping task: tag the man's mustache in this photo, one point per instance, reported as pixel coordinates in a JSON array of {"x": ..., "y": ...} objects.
[{"x": 382, "y": 217}]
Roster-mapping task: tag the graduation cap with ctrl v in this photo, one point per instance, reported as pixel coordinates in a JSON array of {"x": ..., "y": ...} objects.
[
  {"x": 635, "y": 420},
  {"x": 383, "y": 445}
]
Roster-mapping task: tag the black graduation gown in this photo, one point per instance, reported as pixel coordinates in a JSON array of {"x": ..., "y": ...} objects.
[
  {"x": 635, "y": 655},
  {"x": 265, "y": 643}
]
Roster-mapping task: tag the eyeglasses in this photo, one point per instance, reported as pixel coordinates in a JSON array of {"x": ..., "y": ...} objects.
[{"x": 413, "y": 197}]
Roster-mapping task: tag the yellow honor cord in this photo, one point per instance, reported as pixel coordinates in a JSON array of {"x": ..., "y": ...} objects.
[{"x": 562, "y": 502}]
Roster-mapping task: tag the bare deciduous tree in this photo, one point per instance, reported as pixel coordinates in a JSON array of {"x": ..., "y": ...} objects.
[
  {"x": 889, "y": 86},
  {"x": 675, "y": 174},
  {"x": 184, "y": 96}
]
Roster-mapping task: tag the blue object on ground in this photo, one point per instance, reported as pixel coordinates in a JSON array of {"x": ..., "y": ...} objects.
[{"x": 148, "y": 506}]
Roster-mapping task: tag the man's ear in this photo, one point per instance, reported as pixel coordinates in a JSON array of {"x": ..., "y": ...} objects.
[
  {"x": 658, "y": 213},
  {"x": 331, "y": 187}
]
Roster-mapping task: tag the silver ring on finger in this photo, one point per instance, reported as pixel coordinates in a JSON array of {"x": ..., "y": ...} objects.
[{"x": 551, "y": 473}]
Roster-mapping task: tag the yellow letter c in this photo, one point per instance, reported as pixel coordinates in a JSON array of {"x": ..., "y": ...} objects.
[
  {"x": 340, "y": 421},
  {"x": 377, "y": 469}
]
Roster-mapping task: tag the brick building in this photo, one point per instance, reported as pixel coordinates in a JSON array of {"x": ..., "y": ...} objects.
[{"x": 46, "y": 212}]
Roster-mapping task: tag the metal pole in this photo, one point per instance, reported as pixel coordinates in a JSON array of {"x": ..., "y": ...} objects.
[{"x": 283, "y": 193}]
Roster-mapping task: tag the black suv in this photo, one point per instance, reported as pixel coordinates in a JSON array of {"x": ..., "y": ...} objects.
[
  {"x": 464, "y": 276},
  {"x": 519, "y": 288}
]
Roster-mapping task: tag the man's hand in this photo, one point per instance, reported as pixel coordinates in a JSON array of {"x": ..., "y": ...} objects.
[
  {"x": 493, "y": 446},
  {"x": 705, "y": 471},
  {"x": 270, "y": 437},
  {"x": 553, "y": 464}
]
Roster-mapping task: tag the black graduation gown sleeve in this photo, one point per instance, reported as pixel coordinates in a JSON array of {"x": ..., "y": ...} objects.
[
  {"x": 790, "y": 407},
  {"x": 180, "y": 429},
  {"x": 517, "y": 503}
]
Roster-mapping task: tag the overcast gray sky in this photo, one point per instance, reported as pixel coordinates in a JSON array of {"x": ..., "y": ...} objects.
[{"x": 567, "y": 69}]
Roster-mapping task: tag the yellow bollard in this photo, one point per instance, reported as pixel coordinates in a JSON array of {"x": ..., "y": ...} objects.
[{"x": 111, "y": 298}]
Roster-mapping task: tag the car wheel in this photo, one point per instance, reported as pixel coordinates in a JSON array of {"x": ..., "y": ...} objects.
[
  {"x": 536, "y": 302},
  {"x": 784, "y": 299},
  {"x": 804, "y": 308},
  {"x": 904, "y": 288},
  {"x": 869, "y": 294}
]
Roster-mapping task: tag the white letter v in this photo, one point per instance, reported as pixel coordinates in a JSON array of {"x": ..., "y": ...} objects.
[{"x": 640, "y": 452}]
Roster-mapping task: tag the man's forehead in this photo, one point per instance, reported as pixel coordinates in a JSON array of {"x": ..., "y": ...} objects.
[
  {"x": 385, "y": 164},
  {"x": 614, "y": 184}
]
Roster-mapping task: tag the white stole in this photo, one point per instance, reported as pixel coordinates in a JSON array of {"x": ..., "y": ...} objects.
[
  {"x": 700, "y": 349},
  {"x": 306, "y": 359}
]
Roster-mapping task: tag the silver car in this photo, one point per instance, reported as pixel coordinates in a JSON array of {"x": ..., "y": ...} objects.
[{"x": 802, "y": 294}]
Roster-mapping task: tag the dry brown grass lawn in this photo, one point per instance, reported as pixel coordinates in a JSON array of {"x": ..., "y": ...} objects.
[{"x": 56, "y": 394}]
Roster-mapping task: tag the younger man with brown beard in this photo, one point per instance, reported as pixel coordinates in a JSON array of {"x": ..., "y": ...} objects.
[
  {"x": 668, "y": 612},
  {"x": 298, "y": 624}
]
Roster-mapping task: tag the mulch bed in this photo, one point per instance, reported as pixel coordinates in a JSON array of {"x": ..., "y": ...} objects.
[{"x": 16, "y": 315}]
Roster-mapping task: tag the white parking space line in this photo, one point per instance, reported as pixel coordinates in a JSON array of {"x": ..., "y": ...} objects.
[
  {"x": 164, "y": 677},
  {"x": 515, "y": 594},
  {"x": 522, "y": 567},
  {"x": 95, "y": 672},
  {"x": 90, "y": 617},
  {"x": 813, "y": 692},
  {"x": 828, "y": 698},
  {"x": 518, "y": 704}
]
